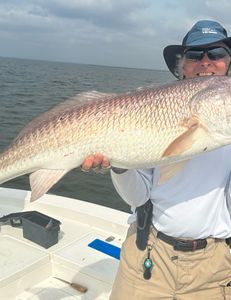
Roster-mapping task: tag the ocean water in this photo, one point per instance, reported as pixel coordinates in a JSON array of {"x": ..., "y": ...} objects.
[{"x": 29, "y": 87}]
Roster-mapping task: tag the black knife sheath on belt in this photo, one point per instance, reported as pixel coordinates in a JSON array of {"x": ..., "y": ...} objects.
[{"x": 144, "y": 221}]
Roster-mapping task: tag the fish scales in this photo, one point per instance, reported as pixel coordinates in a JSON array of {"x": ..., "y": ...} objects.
[{"x": 143, "y": 128}]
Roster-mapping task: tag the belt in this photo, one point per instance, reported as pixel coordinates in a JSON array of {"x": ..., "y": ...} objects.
[{"x": 182, "y": 245}]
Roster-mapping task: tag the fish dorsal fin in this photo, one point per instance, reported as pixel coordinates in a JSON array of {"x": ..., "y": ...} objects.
[
  {"x": 169, "y": 171},
  {"x": 186, "y": 140},
  {"x": 42, "y": 180},
  {"x": 69, "y": 104},
  {"x": 81, "y": 99}
]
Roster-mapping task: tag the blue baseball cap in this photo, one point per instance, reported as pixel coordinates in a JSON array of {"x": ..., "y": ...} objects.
[{"x": 203, "y": 33}]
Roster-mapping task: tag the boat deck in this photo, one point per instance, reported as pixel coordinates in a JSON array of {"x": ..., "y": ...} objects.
[{"x": 29, "y": 271}]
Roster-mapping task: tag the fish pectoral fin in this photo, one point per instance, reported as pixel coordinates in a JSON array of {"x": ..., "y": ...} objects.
[
  {"x": 42, "y": 180},
  {"x": 185, "y": 141},
  {"x": 169, "y": 171}
]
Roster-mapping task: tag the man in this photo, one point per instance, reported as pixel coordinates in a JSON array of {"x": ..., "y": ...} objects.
[
  {"x": 187, "y": 60},
  {"x": 187, "y": 255}
]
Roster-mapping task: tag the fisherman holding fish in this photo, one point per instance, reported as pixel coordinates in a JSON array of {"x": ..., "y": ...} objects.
[
  {"x": 169, "y": 148},
  {"x": 184, "y": 253}
]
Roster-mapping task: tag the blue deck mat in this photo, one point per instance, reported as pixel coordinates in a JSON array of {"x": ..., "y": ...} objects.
[{"x": 106, "y": 248}]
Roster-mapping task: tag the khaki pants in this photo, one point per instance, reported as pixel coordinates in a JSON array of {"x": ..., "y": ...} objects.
[{"x": 200, "y": 275}]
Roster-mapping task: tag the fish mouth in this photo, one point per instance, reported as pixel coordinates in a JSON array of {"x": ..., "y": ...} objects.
[{"x": 205, "y": 74}]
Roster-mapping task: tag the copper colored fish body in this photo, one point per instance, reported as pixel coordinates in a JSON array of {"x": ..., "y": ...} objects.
[{"x": 148, "y": 127}]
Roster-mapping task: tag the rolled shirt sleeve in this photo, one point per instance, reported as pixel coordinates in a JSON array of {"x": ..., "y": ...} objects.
[{"x": 133, "y": 186}]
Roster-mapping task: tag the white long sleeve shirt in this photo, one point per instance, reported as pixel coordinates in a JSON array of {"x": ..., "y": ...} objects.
[{"x": 192, "y": 204}]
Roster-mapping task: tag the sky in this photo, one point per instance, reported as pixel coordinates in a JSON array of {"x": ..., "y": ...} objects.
[{"x": 125, "y": 33}]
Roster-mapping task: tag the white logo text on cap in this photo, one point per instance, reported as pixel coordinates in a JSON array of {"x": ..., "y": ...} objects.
[{"x": 209, "y": 30}]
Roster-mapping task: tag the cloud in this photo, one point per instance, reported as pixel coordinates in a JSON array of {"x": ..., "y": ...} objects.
[
  {"x": 103, "y": 26},
  {"x": 101, "y": 13},
  {"x": 116, "y": 32},
  {"x": 109, "y": 19}
]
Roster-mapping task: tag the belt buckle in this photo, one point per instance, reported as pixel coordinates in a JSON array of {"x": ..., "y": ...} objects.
[{"x": 185, "y": 245}]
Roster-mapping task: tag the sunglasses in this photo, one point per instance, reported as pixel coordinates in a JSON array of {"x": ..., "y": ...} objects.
[{"x": 213, "y": 53}]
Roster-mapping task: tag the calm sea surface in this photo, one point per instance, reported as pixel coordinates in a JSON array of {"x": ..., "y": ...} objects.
[{"x": 29, "y": 87}]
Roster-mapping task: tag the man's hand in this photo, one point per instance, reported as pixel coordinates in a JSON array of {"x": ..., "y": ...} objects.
[
  {"x": 99, "y": 164},
  {"x": 97, "y": 161}
]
